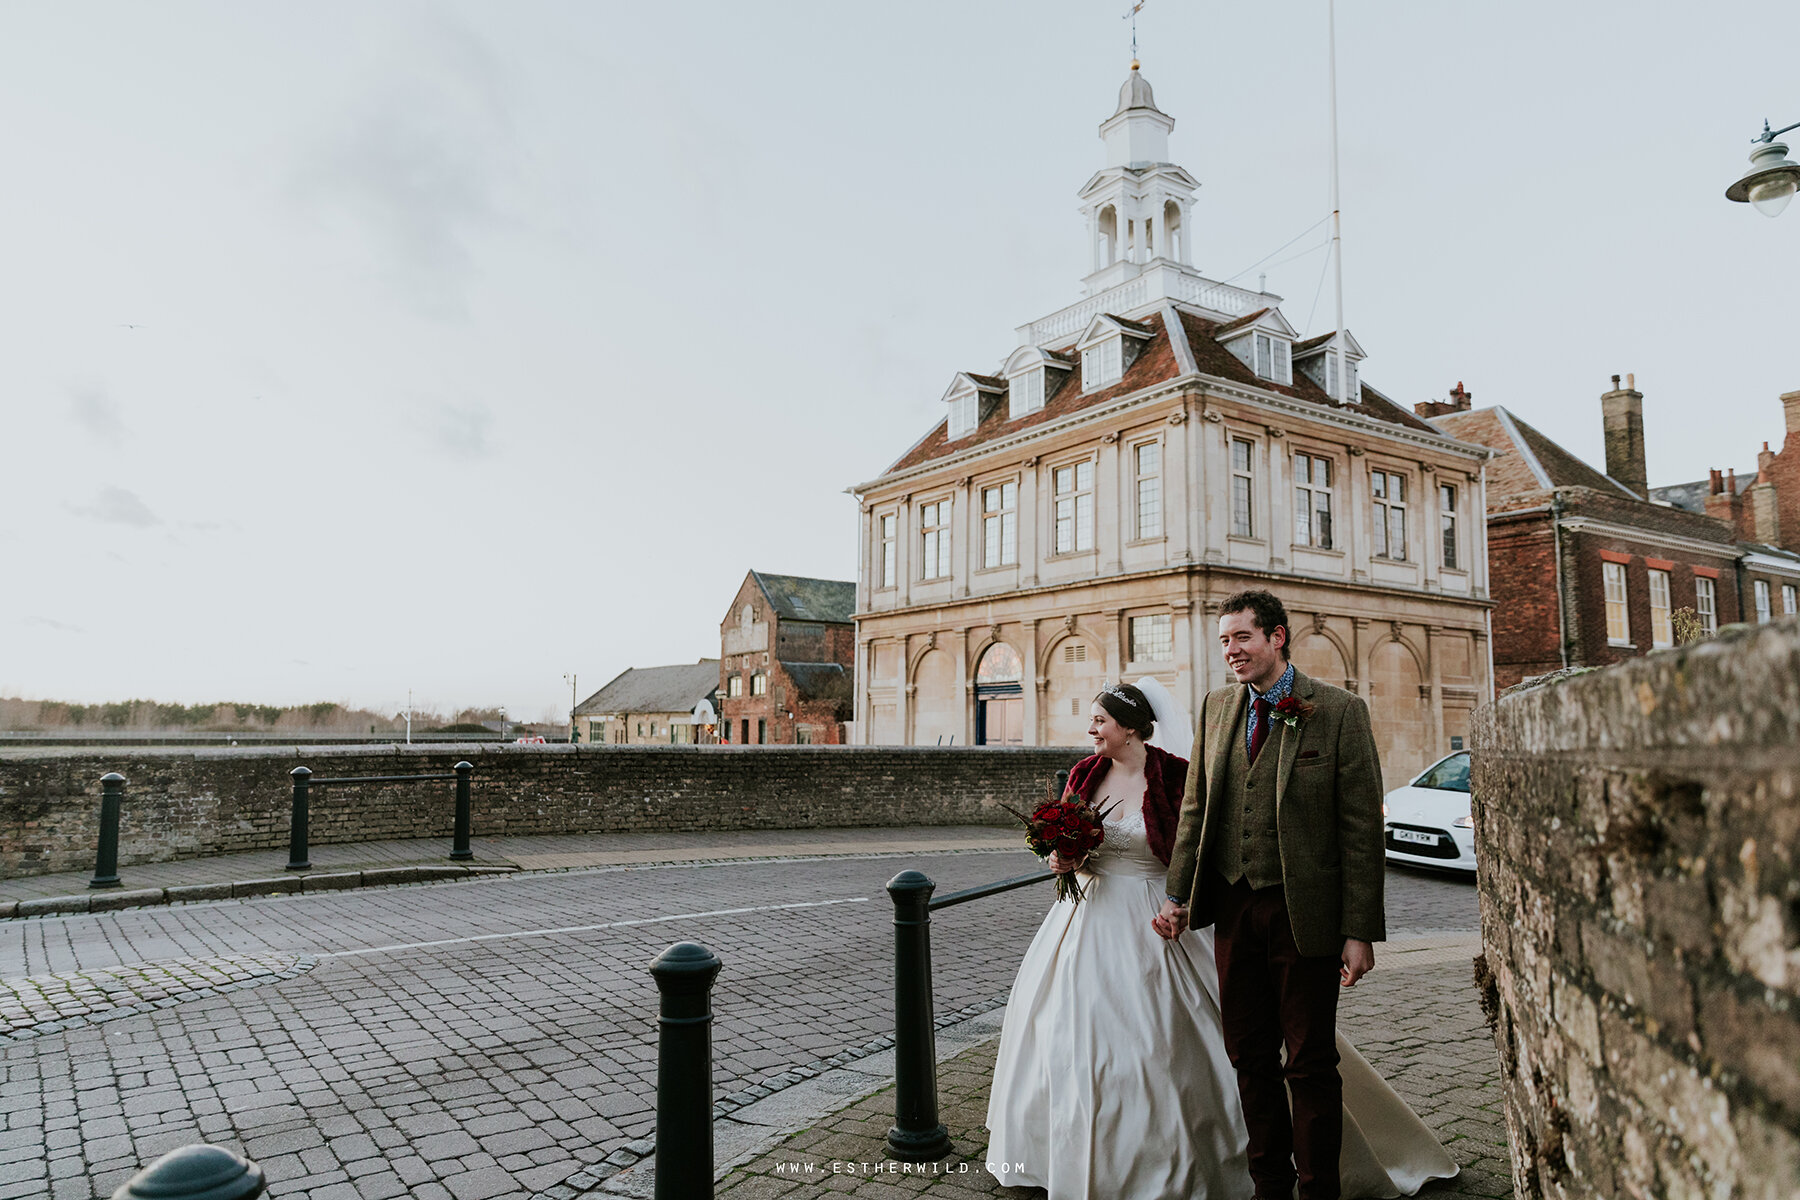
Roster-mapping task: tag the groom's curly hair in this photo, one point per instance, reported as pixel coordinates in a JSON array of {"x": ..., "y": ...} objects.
[{"x": 1267, "y": 609}]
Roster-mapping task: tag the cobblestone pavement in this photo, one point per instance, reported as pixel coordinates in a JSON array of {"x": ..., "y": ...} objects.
[{"x": 491, "y": 1038}]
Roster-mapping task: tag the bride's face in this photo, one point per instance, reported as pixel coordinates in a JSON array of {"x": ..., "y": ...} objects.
[{"x": 1109, "y": 736}]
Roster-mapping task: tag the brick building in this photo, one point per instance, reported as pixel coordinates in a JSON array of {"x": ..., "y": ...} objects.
[
  {"x": 787, "y": 652},
  {"x": 1141, "y": 454},
  {"x": 1762, "y": 507},
  {"x": 654, "y": 706},
  {"x": 1589, "y": 566}
]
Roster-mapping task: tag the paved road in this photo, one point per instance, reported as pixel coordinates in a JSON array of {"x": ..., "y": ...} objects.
[{"x": 477, "y": 1039}]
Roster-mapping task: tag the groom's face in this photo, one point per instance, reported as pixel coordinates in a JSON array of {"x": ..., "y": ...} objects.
[{"x": 1252, "y": 655}]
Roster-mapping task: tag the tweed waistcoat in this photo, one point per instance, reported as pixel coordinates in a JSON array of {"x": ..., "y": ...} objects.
[{"x": 1249, "y": 846}]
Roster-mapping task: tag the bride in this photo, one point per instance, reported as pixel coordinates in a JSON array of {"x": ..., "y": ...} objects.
[{"x": 1111, "y": 1080}]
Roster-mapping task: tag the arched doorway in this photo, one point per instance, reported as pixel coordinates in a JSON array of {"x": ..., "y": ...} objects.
[{"x": 999, "y": 698}]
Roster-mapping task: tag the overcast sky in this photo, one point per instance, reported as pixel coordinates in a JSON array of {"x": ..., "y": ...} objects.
[{"x": 352, "y": 348}]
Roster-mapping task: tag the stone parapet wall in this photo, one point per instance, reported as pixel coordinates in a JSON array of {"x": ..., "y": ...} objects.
[
  {"x": 187, "y": 803},
  {"x": 1638, "y": 830}
]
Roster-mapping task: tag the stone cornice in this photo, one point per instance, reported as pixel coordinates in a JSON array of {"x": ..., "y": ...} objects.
[{"x": 1581, "y": 524}]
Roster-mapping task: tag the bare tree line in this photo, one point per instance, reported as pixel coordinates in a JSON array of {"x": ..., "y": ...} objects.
[{"x": 151, "y": 716}]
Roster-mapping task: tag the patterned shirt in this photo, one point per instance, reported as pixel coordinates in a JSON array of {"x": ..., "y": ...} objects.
[{"x": 1283, "y": 688}]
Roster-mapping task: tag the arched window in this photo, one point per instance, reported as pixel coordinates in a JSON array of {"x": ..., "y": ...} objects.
[
  {"x": 1000, "y": 665},
  {"x": 999, "y": 700}
]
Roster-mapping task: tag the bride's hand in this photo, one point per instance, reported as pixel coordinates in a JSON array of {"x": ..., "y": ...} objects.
[{"x": 1061, "y": 865}]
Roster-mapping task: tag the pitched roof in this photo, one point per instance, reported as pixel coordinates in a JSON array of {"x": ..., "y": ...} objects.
[
  {"x": 1692, "y": 496},
  {"x": 655, "y": 689},
  {"x": 797, "y": 598},
  {"x": 1525, "y": 459},
  {"x": 1155, "y": 363},
  {"x": 819, "y": 681}
]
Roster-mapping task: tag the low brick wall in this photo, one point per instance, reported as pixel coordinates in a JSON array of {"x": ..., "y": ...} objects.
[
  {"x": 1638, "y": 830},
  {"x": 187, "y": 803}
]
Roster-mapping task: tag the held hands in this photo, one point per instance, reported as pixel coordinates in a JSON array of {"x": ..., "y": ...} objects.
[
  {"x": 1359, "y": 960},
  {"x": 1061, "y": 865},
  {"x": 1171, "y": 922}
]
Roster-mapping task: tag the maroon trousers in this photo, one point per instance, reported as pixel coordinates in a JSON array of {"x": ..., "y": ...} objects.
[{"x": 1271, "y": 995}]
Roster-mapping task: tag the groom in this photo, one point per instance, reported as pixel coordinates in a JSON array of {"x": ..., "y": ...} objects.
[{"x": 1280, "y": 849}]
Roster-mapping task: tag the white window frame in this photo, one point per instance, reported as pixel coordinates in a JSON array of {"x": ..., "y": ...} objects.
[
  {"x": 1243, "y": 486},
  {"x": 1449, "y": 539},
  {"x": 1025, "y": 393},
  {"x": 1308, "y": 493},
  {"x": 1662, "y": 630},
  {"x": 1271, "y": 357},
  {"x": 1103, "y": 363},
  {"x": 1386, "y": 508},
  {"x": 1765, "y": 608},
  {"x": 1072, "y": 507},
  {"x": 734, "y": 686},
  {"x": 887, "y": 528},
  {"x": 1156, "y": 644},
  {"x": 1706, "y": 603},
  {"x": 965, "y": 409},
  {"x": 1790, "y": 599},
  {"x": 934, "y": 539},
  {"x": 1147, "y": 489},
  {"x": 759, "y": 684},
  {"x": 1618, "y": 604},
  {"x": 1329, "y": 373},
  {"x": 1000, "y": 524}
]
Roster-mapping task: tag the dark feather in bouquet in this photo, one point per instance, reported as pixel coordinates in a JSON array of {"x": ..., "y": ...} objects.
[{"x": 1070, "y": 826}]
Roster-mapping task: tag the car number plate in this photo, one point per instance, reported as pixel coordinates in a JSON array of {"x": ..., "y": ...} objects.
[{"x": 1411, "y": 835}]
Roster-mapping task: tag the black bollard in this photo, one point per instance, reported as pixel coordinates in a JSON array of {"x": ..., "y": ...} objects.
[
  {"x": 1062, "y": 783},
  {"x": 199, "y": 1172},
  {"x": 684, "y": 975},
  {"x": 297, "y": 860},
  {"x": 106, "y": 861},
  {"x": 917, "y": 1135},
  {"x": 459, "y": 843}
]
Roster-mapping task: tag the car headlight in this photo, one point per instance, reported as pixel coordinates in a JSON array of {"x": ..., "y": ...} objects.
[
  {"x": 1464, "y": 822},
  {"x": 1384, "y": 810}
]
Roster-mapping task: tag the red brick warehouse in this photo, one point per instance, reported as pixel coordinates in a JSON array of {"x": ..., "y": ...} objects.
[{"x": 787, "y": 649}]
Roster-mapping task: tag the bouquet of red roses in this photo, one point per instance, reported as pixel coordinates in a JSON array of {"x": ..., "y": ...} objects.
[{"x": 1071, "y": 827}]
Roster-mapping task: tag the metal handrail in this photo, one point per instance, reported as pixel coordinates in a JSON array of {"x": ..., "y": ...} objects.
[{"x": 990, "y": 889}]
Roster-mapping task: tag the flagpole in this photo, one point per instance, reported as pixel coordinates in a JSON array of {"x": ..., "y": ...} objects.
[{"x": 1337, "y": 248}]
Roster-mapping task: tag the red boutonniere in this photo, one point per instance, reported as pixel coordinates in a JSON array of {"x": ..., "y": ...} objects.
[{"x": 1291, "y": 711}]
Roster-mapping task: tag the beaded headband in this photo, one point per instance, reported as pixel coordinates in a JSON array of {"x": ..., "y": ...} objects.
[{"x": 1113, "y": 689}]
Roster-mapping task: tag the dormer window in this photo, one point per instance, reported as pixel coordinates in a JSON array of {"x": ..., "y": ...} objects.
[
  {"x": 967, "y": 399},
  {"x": 1102, "y": 364},
  {"x": 1107, "y": 348},
  {"x": 1264, "y": 342},
  {"x": 1025, "y": 393},
  {"x": 1272, "y": 362},
  {"x": 1317, "y": 359},
  {"x": 1033, "y": 376}
]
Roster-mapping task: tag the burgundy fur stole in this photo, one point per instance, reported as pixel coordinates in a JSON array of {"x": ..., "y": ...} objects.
[{"x": 1165, "y": 780}]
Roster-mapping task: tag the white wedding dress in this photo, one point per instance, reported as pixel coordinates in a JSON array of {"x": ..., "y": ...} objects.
[{"x": 1112, "y": 1082}]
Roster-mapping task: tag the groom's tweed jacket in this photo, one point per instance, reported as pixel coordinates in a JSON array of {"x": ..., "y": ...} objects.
[{"x": 1327, "y": 815}]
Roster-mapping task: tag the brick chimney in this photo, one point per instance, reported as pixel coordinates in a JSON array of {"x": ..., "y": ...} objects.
[
  {"x": 1622, "y": 411},
  {"x": 1726, "y": 505},
  {"x": 1459, "y": 402},
  {"x": 1790, "y": 407}
]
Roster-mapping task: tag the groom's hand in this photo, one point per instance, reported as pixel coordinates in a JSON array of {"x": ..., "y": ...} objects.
[
  {"x": 1172, "y": 921},
  {"x": 1359, "y": 960}
]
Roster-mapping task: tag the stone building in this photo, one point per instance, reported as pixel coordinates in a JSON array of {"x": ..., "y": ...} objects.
[
  {"x": 1142, "y": 453},
  {"x": 787, "y": 652},
  {"x": 654, "y": 706},
  {"x": 1591, "y": 565}
]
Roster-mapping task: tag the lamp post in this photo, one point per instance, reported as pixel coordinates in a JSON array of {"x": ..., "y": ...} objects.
[
  {"x": 570, "y": 680},
  {"x": 1772, "y": 178}
]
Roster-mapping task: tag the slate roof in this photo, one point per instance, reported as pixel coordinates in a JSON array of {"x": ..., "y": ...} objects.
[
  {"x": 1155, "y": 364},
  {"x": 797, "y": 598},
  {"x": 655, "y": 689},
  {"x": 1692, "y": 496},
  {"x": 820, "y": 681}
]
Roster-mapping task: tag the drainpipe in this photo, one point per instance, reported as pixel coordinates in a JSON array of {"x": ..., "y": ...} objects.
[{"x": 1562, "y": 617}]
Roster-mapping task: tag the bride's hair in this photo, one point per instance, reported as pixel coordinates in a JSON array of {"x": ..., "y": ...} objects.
[{"x": 1129, "y": 707}]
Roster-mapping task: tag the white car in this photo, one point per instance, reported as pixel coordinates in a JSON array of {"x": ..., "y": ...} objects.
[{"x": 1427, "y": 822}]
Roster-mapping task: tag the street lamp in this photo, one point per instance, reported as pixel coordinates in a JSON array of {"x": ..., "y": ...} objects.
[
  {"x": 1772, "y": 178},
  {"x": 570, "y": 680}
]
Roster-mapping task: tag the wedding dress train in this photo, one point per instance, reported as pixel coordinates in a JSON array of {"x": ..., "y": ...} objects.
[{"x": 1112, "y": 1082}]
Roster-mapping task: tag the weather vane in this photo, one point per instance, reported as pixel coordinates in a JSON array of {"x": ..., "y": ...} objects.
[{"x": 1132, "y": 17}]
